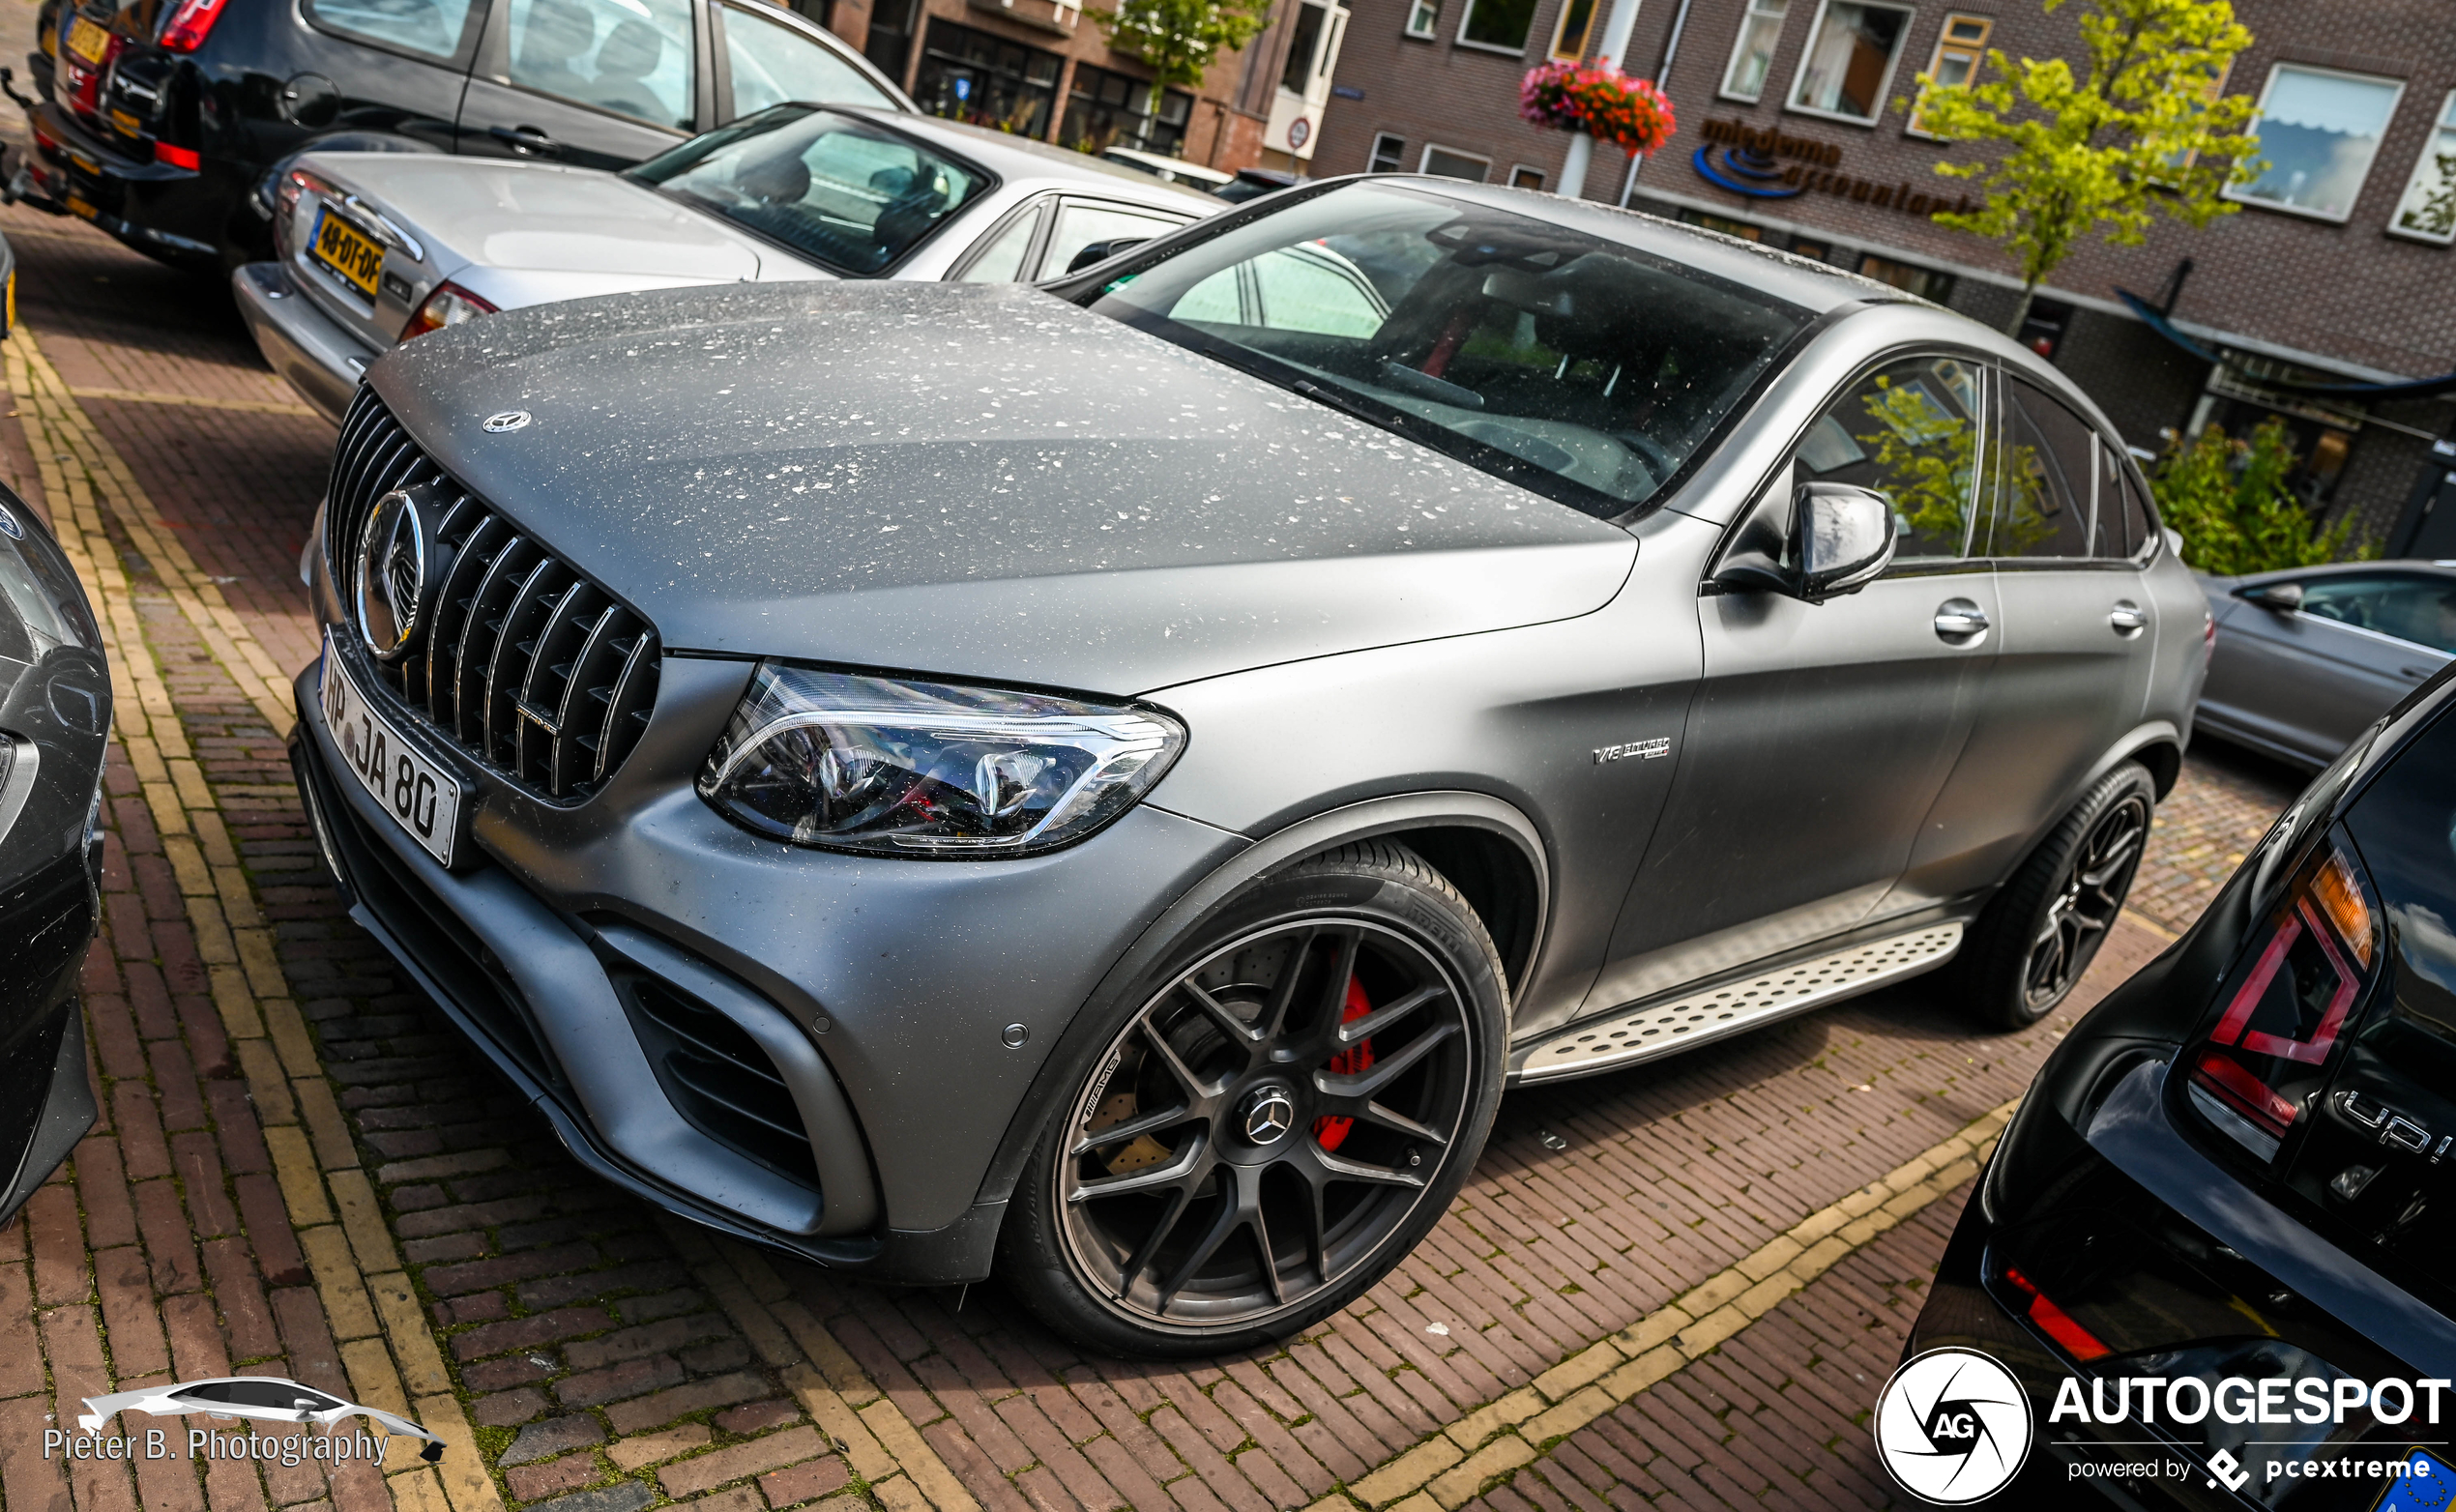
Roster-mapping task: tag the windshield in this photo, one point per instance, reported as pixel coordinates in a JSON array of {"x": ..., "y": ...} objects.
[
  {"x": 1582, "y": 369},
  {"x": 833, "y": 187}
]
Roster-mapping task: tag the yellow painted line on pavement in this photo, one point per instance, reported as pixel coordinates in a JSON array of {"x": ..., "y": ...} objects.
[{"x": 194, "y": 401}]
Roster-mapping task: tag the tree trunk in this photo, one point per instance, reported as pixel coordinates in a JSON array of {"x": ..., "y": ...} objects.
[
  {"x": 2020, "y": 310},
  {"x": 1150, "y": 114}
]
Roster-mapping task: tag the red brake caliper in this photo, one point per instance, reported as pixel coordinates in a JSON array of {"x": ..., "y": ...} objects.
[{"x": 1329, "y": 1132}]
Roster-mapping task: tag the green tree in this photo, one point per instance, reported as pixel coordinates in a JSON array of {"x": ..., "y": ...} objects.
[
  {"x": 2228, "y": 501},
  {"x": 1177, "y": 38},
  {"x": 2139, "y": 131}
]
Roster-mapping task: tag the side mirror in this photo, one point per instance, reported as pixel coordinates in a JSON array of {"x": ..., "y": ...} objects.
[
  {"x": 1102, "y": 252},
  {"x": 1838, "y": 540},
  {"x": 2283, "y": 597}
]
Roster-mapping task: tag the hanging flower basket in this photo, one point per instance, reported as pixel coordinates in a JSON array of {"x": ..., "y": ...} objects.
[{"x": 1603, "y": 101}]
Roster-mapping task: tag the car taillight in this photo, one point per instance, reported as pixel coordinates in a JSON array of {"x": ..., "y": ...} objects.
[
  {"x": 2055, "y": 1322},
  {"x": 190, "y": 24},
  {"x": 177, "y": 156},
  {"x": 449, "y": 305},
  {"x": 2286, "y": 1005}
]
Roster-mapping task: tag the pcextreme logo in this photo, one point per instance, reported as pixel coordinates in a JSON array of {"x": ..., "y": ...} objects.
[{"x": 1952, "y": 1426}]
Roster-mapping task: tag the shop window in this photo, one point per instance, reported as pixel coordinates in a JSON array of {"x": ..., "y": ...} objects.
[
  {"x": 2319, "y": 130},
  {"x": 1444, "y": 164},
  {"x": 1727, "y": 226},
  {"x": 1390, "y": 154},
  {"x": 1423, "y": 17},
  {"x": 1568, "y": 38},
  {"x": 1817, "y": 251},
  {"x": 1526, "y": 178},
  {"x": 1922, "y": 281},
  {"x": 2429, "y": 208},
  {"x": 1105, "y": 108},
  {"x": 1752, "y": 51},
  {"x": 1499, "y": 25},
  {"x": 1958, "y": 49},
  {"x": 889, "y": 43},
  {"x": 2042, "y": 329},
  {"x": 1849, "y": 60},
  {"x": 969, "y": 75}
]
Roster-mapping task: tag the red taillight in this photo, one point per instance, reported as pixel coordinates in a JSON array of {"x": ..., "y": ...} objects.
[
  {"x": 449, "y": 305},
  {"x": 190, "y": 24},
  {"x": 2288, "y": 1008},
  {"x": 177, "y": 156},
  {"x": 2057, "y": 1324}
]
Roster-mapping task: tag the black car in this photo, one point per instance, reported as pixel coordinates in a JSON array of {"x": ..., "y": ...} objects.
[
  {"x": 2232, "y": 1178},
  {"x": 160, "y": 118},
  {"x": 55, "y": 708}
]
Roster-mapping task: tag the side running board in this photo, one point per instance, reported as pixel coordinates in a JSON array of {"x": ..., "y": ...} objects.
[{"x": 1669, "y": 1025}]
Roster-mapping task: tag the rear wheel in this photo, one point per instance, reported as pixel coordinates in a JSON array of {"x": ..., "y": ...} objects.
[
  {"x": 2039, "y": 934},
  {"x": 1285, "y": 1110}
]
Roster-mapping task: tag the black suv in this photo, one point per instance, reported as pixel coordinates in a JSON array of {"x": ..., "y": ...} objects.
[{"x": 158, "y": 118}]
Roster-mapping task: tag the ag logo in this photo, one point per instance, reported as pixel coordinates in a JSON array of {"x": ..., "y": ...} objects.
[{"x": 1952, "y": 1426}]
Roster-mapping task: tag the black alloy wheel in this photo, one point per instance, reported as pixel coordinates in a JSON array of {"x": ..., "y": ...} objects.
[
  {"x": 1276, "y": 1124},
  {"x": 2035, "y": 939}
]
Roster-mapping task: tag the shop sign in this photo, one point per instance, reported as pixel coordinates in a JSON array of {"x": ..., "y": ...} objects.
[{"x": 1768, "y": 162}]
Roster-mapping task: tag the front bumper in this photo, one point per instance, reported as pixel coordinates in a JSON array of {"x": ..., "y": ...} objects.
[
  {"x": 176, "y": 214},
  {"x": 321, "y": 361},
  {"x": 893, "y": 980}
]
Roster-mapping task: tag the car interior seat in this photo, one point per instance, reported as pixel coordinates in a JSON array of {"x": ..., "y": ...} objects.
[
  {"x": 555, "y": 35},
  {"x": 630, "y": 54}
]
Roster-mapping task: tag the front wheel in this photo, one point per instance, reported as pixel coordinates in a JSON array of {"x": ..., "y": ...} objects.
[
  {"x": 2039, "y": 933},
  {"x": 1285, "y": 1109}
]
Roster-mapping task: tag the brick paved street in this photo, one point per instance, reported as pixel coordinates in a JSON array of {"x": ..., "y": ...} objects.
[{"x": 303, "y": 1171}]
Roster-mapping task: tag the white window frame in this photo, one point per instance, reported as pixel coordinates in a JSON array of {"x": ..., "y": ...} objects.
[
  {"x": 1748, "y": 15},
  {"x": 1885, "y": 86},
  {"x": 1561, "y": 25},
  {"x": 1424, "y": 161},
  {"x": 1936, "y": 60},
  {"x": 2240, "y": 193},
  {"x": 1460, "y": 38},
  {"x": 2442, "y": 124},
  {"x": 1427, "y": 12},
  {"x": 1517, "y": 168},
  {"x": 1398, "y": 157}
]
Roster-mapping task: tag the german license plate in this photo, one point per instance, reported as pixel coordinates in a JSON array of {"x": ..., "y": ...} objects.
[
  {"x": 89, "y": 40},
  {"x": 347, "y": 250},
  {"x": 422, "y": 798}
]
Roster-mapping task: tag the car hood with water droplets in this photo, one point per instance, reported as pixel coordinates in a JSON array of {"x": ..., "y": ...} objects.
[{"x": 975, "y": 481}]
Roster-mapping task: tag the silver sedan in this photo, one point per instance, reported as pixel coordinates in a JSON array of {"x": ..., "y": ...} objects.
[
  {"x": 376, "y": 247},
  {"x": 2307, "y": 657}
]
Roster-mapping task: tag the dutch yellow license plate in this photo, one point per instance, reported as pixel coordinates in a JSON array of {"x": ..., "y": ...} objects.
[
  {"x": 347, "y": 250},
  {"x": 79, "y": 208},
  {"x": 89, "y": 40},
  {"x": 126, "y": 124}
]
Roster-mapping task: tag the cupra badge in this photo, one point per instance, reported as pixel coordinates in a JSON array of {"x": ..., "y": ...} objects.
[{"x": 507, "y": 420}]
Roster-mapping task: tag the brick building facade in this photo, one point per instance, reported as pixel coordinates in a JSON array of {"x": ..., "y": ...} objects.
[
  {"x": 1043, "y": 68},
  {"x": 1794, "y": 131}
]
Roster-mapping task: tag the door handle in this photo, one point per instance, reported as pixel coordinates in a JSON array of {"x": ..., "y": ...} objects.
[
  {"x": 526, "y": 139},
  {"x": 2128, "y": 618},
  {"x": 1959, "y": 621}
]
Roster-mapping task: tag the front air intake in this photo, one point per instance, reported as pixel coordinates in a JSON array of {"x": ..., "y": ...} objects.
[{"x": 528, "y": 666}]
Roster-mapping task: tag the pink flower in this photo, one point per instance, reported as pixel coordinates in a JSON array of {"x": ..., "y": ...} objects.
[{"x": 1603, "y": 101}]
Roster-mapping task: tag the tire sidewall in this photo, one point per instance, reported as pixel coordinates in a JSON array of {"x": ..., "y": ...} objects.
[
  {"x": 1368, "y": 888},
  {"x": 1999, "y": 953}
]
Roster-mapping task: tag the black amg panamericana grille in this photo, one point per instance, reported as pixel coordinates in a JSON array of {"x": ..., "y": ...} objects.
[{"x": 528, "y": 666}]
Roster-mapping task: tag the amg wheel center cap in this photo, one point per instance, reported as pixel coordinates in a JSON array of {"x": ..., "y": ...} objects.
[{"x": 1266, "y": 1114}]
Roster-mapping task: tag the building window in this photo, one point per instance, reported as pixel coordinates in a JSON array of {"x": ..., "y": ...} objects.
[
  {"x": 1526, "y": 178},
  {"x": 1752, "y": 53},
  {"x": 1723, "y": 223},
  {"x": 1497, "y": 25},
  {"x": 2318, "y": 131},
  {"x": 1388, "y": 152},
  {"x": 1849, "y": 60},
  {"x": 2429, "y": 208},
  {"x": 1421, "y": 17},
  {"x": 1568, "y": 39},
  {"x": 969, "y": 75},
  {"x": 1444, "y": 164},
  {"x": 889, "y": 45},
  {"x": 1305, "y": 39},
  {"x": 1955, "y": 63},
  {"x": 1105, "y": 108},
  {"x": 1927, "y": 285}
]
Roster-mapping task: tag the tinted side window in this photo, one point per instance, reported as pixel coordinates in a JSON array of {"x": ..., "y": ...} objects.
[
  {"x": 634, "y": 59},
  {"x": 2048, "y": 455},
  {"x": 2138, "y": 522},
  {"x": 1081, "y": 223},
  {"x": 1911, "y": 432},
  {"x": 2421, "y": 610},
  {"x": 772, "y": 64},
  {"x": 428, "y": 28}
]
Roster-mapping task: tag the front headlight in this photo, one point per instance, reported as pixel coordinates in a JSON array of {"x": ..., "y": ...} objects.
[{"x": 925, "y": 769}]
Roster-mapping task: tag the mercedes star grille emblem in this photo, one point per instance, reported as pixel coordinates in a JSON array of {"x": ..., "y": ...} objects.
[
  {"x": 391, "y": 575},
  {"x": 508, "y": 420},
  {"x": 1268, "y": 1113}
]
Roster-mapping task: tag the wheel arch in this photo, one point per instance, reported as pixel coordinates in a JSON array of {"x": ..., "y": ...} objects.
[{"x": 1487, "y": 848}]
